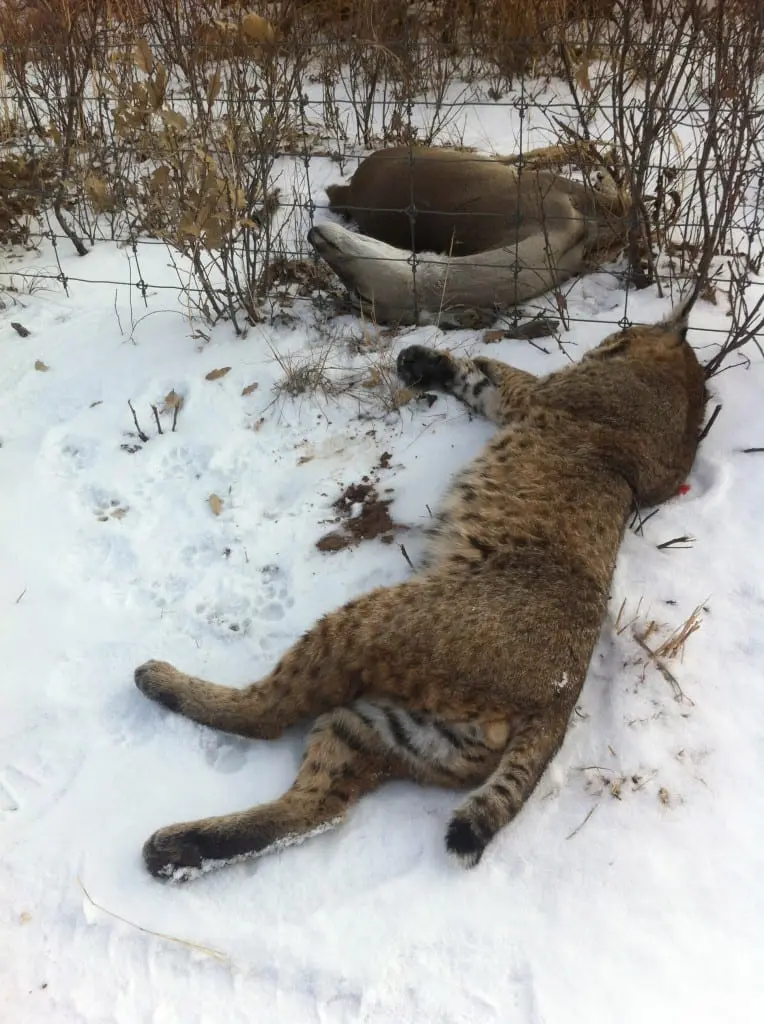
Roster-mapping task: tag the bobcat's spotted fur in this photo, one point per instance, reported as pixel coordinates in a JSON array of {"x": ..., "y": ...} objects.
[{"x": 466, "y": 674}]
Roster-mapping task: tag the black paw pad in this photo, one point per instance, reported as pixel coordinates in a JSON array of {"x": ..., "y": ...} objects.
[
  {"x": 464, "y": 842},
  {"x": 174, "y": 856},
  {"x": 418, "y": 366}
]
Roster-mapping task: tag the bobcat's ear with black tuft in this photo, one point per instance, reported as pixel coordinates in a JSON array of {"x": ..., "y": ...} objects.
[{"x": 679, "y": 317}]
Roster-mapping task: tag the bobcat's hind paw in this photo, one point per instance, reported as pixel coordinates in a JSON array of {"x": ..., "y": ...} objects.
[{"x": 158, "y": 681}]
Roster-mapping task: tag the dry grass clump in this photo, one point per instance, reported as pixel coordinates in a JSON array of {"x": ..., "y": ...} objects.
[
  {"x": 673, "y": 646},
  {"x": 311, "y": 373},
  {"x": 670, "y": 648}
]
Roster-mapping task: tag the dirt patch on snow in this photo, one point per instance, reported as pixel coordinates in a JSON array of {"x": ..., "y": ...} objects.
[{"x": 363, "y": 515}]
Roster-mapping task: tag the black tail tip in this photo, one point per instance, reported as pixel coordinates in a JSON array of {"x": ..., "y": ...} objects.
[{"x": 464, "y": 843}]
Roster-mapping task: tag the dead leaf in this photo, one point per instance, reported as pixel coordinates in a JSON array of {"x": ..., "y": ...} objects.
[
  {"x": 98, "y": 193},
  {"x": 25, "y": 917},
  {"x": 491, "y": 336},
  {"x": 174, "y": 119},
  {"x": 582, "y": 76},
  {"x": 41, "y": 366},
  {"x": 664, "y": 796},
  {"x": 172, "y": 400},
  {"x": 258, "y": 424},
  {"x": 160, "y": 179},
  {"x": 143, "y": 56},
  {"x": 213, "y": 86},
  {"x": 250, "y": 388},
  {"x": 257, "y": 29},
  {"x": 215, "y": 503},
  {"x": 188, "y": 226},
  {"x": 20, "y": 329},
  {"x": 156, "y": 89},
  {"x": 217, "y": 374}
]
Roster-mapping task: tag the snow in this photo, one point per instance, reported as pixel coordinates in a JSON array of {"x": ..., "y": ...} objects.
[
  {"x": 561, "y": 683},
  {"x": 628, "y": 889}
]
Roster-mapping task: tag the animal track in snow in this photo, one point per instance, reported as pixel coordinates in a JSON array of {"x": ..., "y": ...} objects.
[
  {"x": 247, "y": 599},
  {"x": 226, "y": 754},
  {"x": 9, "y": 788},
  {"x": 179, "y": 462},
  {"x": 226, "y": 616},
  {"x": 276, "y": 593},
  {"x": 30, "y": 781},
  {"x": 112, "y": 509},
  {"x": 129, "y": 720},
  {"x": 70, "y": 454}
]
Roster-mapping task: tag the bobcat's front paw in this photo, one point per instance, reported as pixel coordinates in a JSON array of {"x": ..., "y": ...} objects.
[
  {"x": 158, "y": 680},
  {"x": 423, "y": 367}
]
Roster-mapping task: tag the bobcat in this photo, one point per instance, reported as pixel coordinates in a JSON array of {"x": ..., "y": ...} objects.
[{"x": 466, "y": 674}]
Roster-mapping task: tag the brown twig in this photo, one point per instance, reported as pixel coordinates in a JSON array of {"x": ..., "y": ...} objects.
[
  {"x": 712, "y": 419},
  {"x": 405, "y": 554},
  {"x": 141, "y": 435},
  {"x": 579, "y": 827},
  {"x": 682, "y": 543}
]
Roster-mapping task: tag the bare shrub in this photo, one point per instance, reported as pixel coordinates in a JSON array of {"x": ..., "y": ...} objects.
[
  {"x": 51, "y": 47},
  {"x": 25, "y": 182},
  {"x": 171, "y": 119},
  {"x": 679, "y": 98}
]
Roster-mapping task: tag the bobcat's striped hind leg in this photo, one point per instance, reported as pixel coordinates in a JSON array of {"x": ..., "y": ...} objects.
[
  {"x": 317, "y": 673},
  {"x": 350, "y": 752},
  {"x": 493, "y": 806},
  {"x": 341, "y": 763}
]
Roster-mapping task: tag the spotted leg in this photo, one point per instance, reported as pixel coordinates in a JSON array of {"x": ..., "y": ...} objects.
[{"x": 491, "y": 388}]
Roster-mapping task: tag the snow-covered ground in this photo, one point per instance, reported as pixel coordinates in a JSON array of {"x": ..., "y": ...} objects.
[{"x": 629, "y": 889}]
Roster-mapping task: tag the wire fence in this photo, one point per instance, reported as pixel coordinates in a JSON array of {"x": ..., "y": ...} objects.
[{"x": 222, "y": 157}]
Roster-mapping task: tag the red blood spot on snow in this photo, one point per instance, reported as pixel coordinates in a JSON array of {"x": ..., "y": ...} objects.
[{"x": 683, "y": 489}]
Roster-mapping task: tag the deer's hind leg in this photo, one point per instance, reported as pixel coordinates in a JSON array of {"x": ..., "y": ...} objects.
[{"x": 350, "y": 752}]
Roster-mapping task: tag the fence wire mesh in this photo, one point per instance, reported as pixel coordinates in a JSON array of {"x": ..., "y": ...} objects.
[{"x": 213, "y": 130}]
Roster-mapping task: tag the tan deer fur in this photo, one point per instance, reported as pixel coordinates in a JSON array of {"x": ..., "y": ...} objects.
[{"x": 488, "y": 235}]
